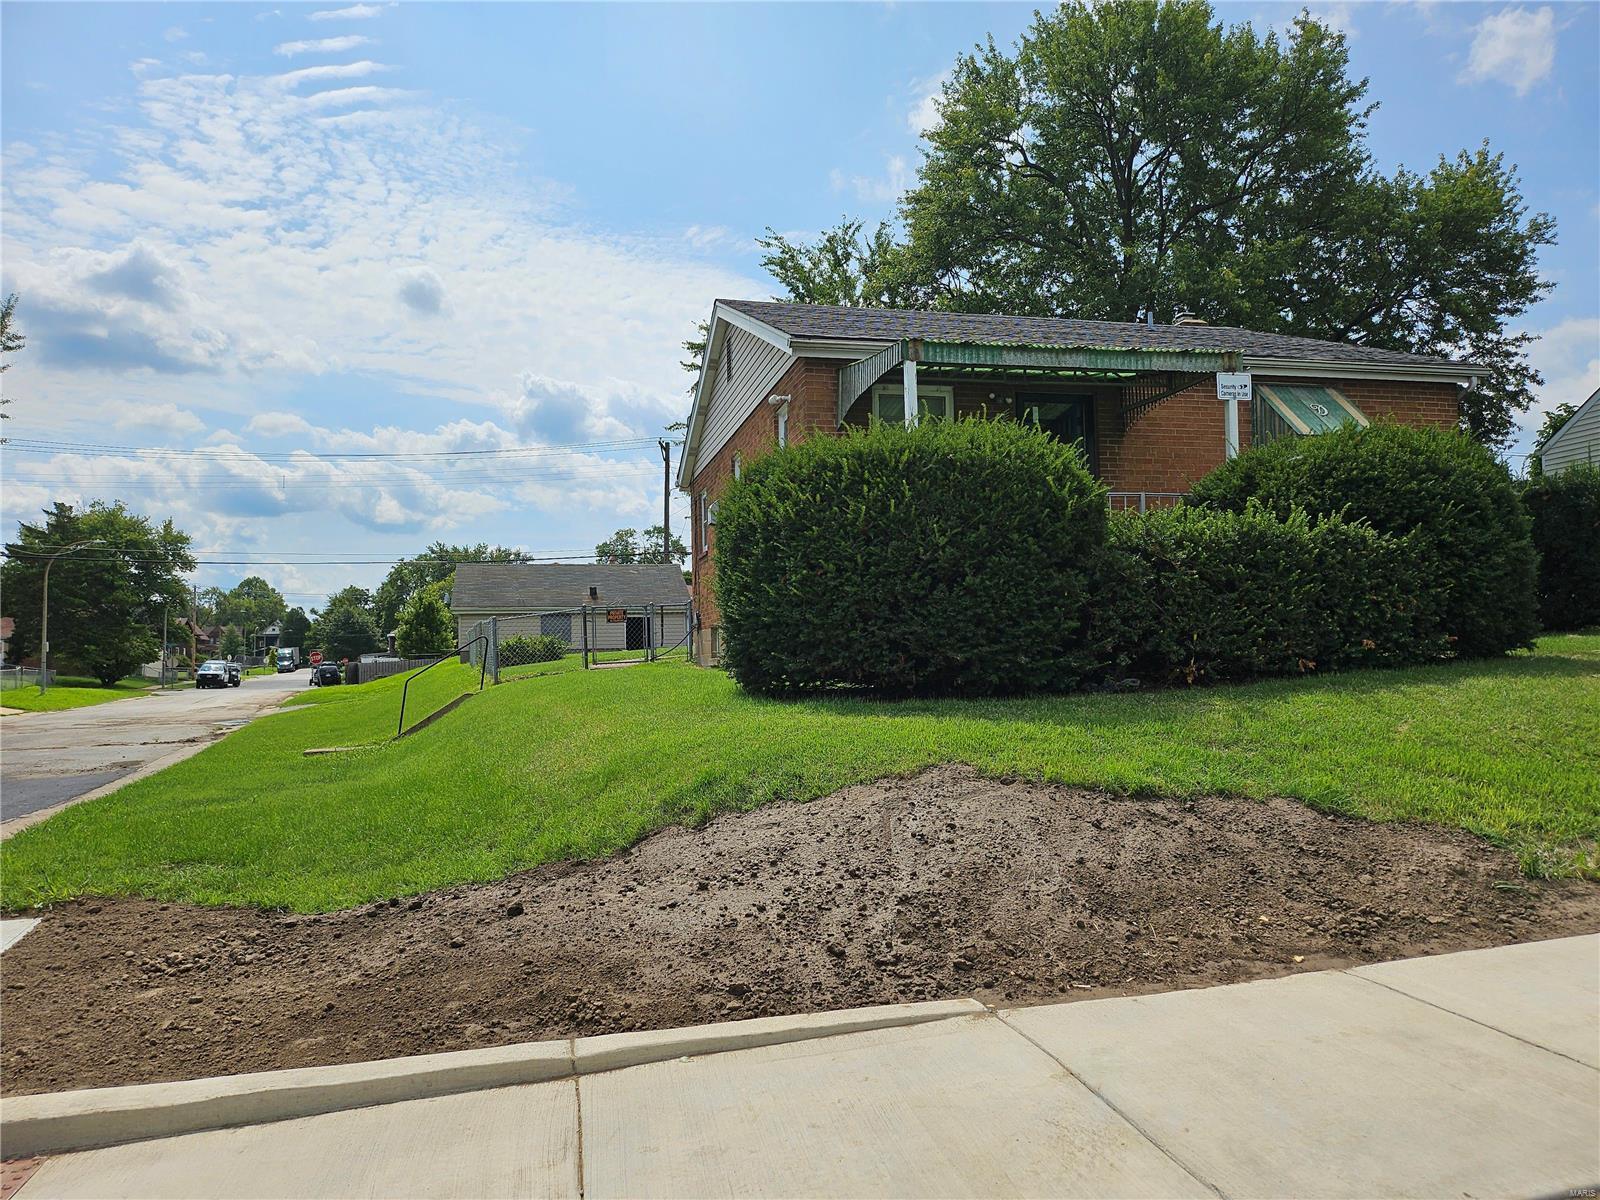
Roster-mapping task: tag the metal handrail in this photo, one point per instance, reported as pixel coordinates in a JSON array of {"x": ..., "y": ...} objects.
[{"x": 483, "y": 666}]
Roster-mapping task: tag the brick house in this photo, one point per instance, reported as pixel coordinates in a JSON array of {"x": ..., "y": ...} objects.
[{"x": 1142, "y": 399}]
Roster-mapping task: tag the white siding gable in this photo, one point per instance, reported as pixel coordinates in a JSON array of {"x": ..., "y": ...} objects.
[
  {"x": 1577, "y": 441},
  {"x": 757, "y": 366}
]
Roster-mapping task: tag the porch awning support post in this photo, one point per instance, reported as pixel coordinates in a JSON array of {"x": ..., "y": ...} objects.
[{"x": 908, "y": 374}]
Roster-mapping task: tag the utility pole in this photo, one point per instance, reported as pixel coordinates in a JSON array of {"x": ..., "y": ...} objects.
[
  {"x": 163, "y": 646},
  {"x": 666, "y": 500}
]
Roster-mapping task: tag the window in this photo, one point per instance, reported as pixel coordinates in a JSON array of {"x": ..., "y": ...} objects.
[
  {"x": 783, "y": 424},
  {"x": 556, "y": 625},
  {"x": 705, "y": 528},
  {"x": 738, "y": 464},
  {"x": 889, "y": 403}
]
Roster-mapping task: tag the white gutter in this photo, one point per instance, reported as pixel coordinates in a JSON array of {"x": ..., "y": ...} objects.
[{"x": 1288, "y": 368}]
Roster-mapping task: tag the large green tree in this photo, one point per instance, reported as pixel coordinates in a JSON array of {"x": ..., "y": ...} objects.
[
  {"x": 344, "y": 632},
  {"x": 424, "y": 626},
  {"x": 11, "y": 340},
  {"x": 106, "y": 599},
  {"x": 1140, "y": 157},
  {"x": 436, "y": 564},
  {"x": 630, "y": 546},
  {"x": 251, "y": 605},
  {"x": 296, "y": 625}
]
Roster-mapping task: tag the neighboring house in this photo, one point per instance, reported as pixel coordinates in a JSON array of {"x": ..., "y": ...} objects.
[
  {"x": 1578, "y": 441},
  {"x": 207, "y": 638},
  {"x": 549, "y": 598},
  {"x": 1142, "y": 399}
]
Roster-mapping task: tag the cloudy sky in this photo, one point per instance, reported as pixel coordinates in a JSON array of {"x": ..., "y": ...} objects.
[{"x": 273, "y": 232}]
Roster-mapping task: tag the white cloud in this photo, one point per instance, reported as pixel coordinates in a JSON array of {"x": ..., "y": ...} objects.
[
  {"x": 166, "y": 418},
  {"x": 243, "y": 242},
  {"x": 1568, "y": 356},
  {"x": 175, "y": 34},
  {"x": 708, "y": 237},
  {"x": 926, "y": 93},
  {"x": 356, "y": 12},
  {"x": 877, "y": 189},
  {"x": 1515, "y": 46},
  {"x": 333, "y": 45}
]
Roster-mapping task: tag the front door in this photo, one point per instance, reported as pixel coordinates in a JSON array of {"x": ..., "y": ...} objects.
[
  {"x": 1067, "y": 418},
  {"x": 636, "y": 633}
]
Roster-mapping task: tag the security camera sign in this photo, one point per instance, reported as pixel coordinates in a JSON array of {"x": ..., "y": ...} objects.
[{"x": 1233, "y": 385}]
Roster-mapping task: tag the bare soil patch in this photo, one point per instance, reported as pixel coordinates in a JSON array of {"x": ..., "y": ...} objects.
[{"x": 944, "y": 884}]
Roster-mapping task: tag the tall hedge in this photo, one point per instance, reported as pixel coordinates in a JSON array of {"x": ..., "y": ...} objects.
[
  {"x": 1565, "y": 510},
  {"x": 954, "y": 559},
  {"x": 1192, "y": 595},
  {"x": 1471, "y": 533}
]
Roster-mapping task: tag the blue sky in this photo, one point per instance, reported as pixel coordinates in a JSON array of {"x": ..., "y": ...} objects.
[{"x": 268, "y": 229}]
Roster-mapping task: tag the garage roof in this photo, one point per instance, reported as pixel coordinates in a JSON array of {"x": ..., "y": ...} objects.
[{"x": 522, "y": 587}]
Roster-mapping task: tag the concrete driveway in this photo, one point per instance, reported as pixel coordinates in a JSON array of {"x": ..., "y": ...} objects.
[{"x": 48, "y": 760}]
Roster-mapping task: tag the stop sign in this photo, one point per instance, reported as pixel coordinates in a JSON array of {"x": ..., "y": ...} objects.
[{"x": 316, "y": 657}]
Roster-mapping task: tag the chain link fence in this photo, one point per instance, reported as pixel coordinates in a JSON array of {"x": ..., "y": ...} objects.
[{"x": 595, "y": 635}]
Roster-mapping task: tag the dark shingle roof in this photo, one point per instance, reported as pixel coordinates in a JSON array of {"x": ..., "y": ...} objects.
[
  {"x": 836, "y": 322},
  {"x": 511, "y": 587}
]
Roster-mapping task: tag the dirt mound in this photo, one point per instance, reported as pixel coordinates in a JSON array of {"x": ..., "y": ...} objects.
[{"x": 944, "y": 884}]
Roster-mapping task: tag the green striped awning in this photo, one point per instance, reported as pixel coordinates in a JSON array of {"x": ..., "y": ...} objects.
[{"x": 1307, "y": 409}]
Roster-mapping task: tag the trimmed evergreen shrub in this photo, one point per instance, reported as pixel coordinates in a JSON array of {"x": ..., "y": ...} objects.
[
  {"x": 1192, "y": 595},
  {"x": 525, "y": 648},
  {"x": 1565, "y": 510},
  {"x": 1471, "y": 532},
  {"x": 950, "y": 559}
]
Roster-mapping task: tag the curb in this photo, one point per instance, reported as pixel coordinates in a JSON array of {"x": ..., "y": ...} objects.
[{"x": 54, "y": 1122}]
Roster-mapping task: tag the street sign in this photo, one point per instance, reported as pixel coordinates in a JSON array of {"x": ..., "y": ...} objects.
[
  {"x": 316, "y": 657},
  {"x": 1233, "y": 386}
]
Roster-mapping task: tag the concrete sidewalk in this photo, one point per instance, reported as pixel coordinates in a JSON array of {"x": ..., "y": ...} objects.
[{"x": 1466, "y": 1074}]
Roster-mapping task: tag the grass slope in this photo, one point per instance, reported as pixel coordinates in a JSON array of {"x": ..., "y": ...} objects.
[
  {"x": 579, "y": 764},
  {"x": 72, "y": 691}
]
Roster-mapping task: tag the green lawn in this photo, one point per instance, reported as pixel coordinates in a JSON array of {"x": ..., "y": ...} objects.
[
  {"x": 577, "y": 764},
  {"x": 73, "y": 691}
]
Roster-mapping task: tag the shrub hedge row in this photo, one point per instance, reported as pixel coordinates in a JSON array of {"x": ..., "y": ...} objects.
[
  {"x": 1565, "y": 510},
  {"x": 1471, "y": 533},
  {"x": 1190, "y": 595},
  {"x": 976, "y": 557},
  {"x": 523, "y": 648}
]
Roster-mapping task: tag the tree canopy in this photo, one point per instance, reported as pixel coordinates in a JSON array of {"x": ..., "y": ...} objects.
[
  {"x": 629, "y": 546},
  {"x": 106, "y": 599},
  {"x": 251, "y": 605},
  {"x": 1141, "y": 157},
  {"x": 424, "y": 626},
  {"x": 434, "y": 565}
]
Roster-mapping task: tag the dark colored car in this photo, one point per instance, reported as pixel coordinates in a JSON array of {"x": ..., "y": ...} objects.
[
  {"x": 235, "y": 674},
  {"x": 326, "y": 674}
]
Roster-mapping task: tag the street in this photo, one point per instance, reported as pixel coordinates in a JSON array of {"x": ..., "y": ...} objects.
[{"x": 49, "y": 759}]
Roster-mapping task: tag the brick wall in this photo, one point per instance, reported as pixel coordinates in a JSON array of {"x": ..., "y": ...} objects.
[{"x": 812, "y": 386}]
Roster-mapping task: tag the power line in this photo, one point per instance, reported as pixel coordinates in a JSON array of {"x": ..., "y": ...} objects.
[{"x": 52, "y": 446}]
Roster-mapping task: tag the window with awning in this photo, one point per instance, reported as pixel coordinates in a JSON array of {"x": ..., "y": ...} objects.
[{"x": 1299, "y": 410}]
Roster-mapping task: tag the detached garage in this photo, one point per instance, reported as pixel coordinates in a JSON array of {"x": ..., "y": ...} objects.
[{"x": 627, "y": 607}]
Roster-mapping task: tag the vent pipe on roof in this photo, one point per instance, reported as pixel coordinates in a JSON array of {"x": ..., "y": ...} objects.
[{"x": 1184, "y": 317}]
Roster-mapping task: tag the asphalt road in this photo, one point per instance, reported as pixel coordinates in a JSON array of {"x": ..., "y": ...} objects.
[{"x": 49, "y": 759}]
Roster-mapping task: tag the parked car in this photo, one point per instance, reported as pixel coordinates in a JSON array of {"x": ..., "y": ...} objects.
[
  {"x": 325, "y": 675},
  {"x": 214, "y": 673},
  {"x": 235, "y": 674}
]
